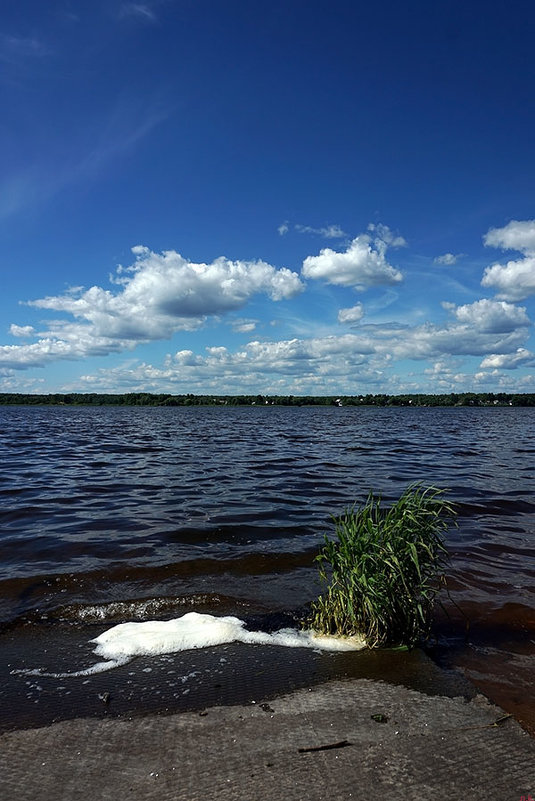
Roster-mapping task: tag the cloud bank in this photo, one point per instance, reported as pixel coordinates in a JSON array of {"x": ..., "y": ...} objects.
[
  {"x": 162, "y": 294},
  {"x": 343, "y": 362},
  {"x": 159, "y": 295}
]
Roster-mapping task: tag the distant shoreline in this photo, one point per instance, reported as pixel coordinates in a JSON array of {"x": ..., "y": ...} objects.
[{"x": 478, "y": 399}]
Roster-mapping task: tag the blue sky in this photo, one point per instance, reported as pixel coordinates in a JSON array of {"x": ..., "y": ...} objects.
[{"x": 233, "y": 196}]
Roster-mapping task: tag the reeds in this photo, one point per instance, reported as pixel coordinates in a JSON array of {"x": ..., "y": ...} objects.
[{"x": 384, "y": 568}]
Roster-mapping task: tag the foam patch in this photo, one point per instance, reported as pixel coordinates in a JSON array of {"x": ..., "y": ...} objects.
[{"x": 124, "y": 642}]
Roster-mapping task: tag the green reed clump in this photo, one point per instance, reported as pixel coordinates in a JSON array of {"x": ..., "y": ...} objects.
[{"x": 384, "y": 568}]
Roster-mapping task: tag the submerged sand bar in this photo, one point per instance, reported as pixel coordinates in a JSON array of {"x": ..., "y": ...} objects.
[{"x": 357, "y": 739}]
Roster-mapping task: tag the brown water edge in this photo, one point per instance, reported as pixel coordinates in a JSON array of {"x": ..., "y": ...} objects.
[
  {"x": 495, "y": 651},
  {"x": 494, "y": 647},
  {"x": 494, "y": 656},
  {"x": 186, "y": 681}
]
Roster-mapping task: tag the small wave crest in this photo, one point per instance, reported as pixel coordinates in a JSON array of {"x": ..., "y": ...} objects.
[
  {"x": 138, "y": 609},
  {"x": 120, "y": 611}
]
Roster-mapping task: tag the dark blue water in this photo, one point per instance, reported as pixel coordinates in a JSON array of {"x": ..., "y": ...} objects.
[{"x": 110, "y": 514}]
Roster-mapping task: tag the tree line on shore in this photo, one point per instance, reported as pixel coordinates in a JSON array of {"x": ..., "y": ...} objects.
[{"x": 166, "y": 399}]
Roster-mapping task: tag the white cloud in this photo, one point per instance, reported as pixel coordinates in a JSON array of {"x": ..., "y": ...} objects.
[
  {"x": 12, "y": 381},
  {"x": 159, "y": 295},
  {"x": 443, "y": 370},
  {"x": 345, "y": 363},
  {"x": 445, "y": 376},
  {"x": 510, "y": 361},
  {"x": 488, "y": 379},
  {"x": 352, "y": 315},
  {"x": 361, "y": 265},
  {"x": 162, "y": 292},
  {"x": 493, "y": 316},
  {"x": 21, "y": 330},
  {"x": 289, "y": 353},
  {"x": 447, "y": 258},
  {"x": 516, "y": 235},
  {"x": 283, "y": 228},
  {"x": 516, "y": 279},
  {"x": 295, "y": 365},
  {"x": 45, "y": 350},
  {"x": 429, "y": 341},
  {"x": 513, "y": 281}
]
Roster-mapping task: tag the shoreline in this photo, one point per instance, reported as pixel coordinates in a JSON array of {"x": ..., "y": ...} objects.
[
  {"x": 357, "y": 739},
  {"x": 192, "y": 680},
  {"x": 196, "y": 679}
]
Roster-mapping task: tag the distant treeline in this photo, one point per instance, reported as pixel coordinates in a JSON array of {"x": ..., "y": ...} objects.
[{"x": 149, "y": 399}]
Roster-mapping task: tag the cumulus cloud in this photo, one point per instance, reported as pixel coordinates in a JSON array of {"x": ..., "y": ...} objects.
[
  {"x": 477, "y": 331},
  {"x": 159, "y": 294},
  {"x": 12, "y": 381},
  {"x": 510, "y": 361},
  {"x": 363, "y": 264},
  {"x": 283, "y": 228},
  {"x": 171, "y": 284},
  {"x": 314, "y": 359},
  {"x": 352, "y": 315},
  {"x": 344, "y": 363},
  {"x": 516, "y": 235},
  {"x": 442, "y": 372},
  {"x": 430, "y": 341},
  {"x": 514, "y": 280},
  {"x": 289, "y": 366},
  {"x": 445, "y": 376},
  {"x": 479, "y": 328},
  {"x": 21, "y": 330},
  {"x": 342, "y": 359},
  {"x": 494, "y": 316},
  {"x": 48, "y": 349}
]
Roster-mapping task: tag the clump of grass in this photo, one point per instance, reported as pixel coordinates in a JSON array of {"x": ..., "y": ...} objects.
[{"x": 384, "y": 568}]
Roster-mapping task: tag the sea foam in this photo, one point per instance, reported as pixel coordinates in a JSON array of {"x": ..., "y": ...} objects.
[{"x": 124, "y": 642}]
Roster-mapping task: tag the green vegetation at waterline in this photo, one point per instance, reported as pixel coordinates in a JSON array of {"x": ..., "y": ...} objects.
[
  {"x": 483, "y": 399},
  {"x": 384, "y": 568}
]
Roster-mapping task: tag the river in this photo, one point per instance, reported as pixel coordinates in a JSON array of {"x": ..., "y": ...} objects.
[{"x": 111, "y": 514}]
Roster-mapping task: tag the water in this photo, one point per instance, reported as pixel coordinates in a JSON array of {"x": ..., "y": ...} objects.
[{"x": 115, "y": 514}]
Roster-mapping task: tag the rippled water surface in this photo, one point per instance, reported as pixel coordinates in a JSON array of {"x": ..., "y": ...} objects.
[{"x": 111, "y": 514}]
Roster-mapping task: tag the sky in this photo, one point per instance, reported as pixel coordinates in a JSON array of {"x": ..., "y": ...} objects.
[{"x": 239, "y": 196}]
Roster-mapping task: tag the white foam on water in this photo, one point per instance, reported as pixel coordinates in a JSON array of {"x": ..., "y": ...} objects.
[
  {"x": 99, "y": 667},
  {"x": 124, "y": 642}
]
